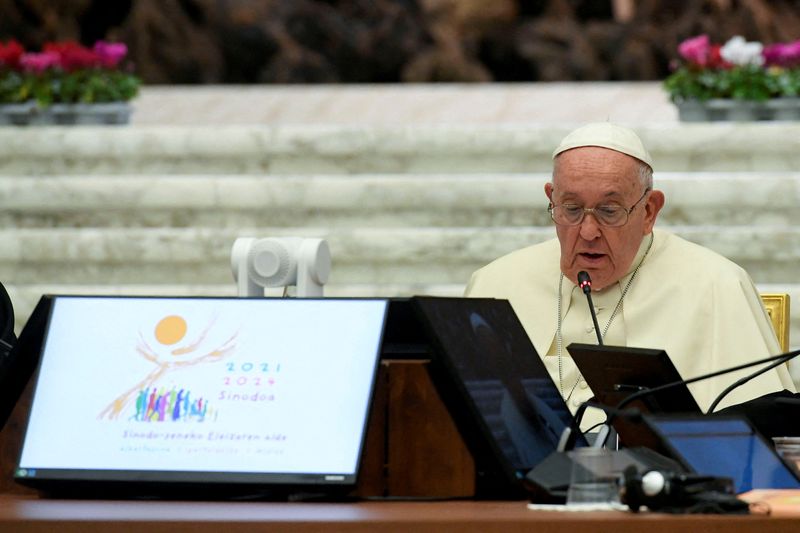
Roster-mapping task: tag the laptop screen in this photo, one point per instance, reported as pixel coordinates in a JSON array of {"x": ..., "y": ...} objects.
[
  {"x": 494, "y": 381},
  {"x": 211, "y": 390},
  {"x": 726, "y": 447}
]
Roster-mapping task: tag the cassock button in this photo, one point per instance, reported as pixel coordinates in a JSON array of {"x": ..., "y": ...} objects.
[
  {"x": 583, "y": 384},
  {"x": 590, "y": 329},
  {"x": 576, "y": 402}
]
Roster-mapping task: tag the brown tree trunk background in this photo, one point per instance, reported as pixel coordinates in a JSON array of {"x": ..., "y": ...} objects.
[{"x": 375, "y": 41}]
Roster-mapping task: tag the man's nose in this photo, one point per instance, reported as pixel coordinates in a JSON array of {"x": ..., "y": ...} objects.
[{"x": 590, "y": 229}]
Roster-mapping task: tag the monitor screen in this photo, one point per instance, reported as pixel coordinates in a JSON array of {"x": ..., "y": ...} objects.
[
  {"x": 226, "y": 390},
  {"x": 726, "y": 447},
  {"x": 496, "y": 386}
]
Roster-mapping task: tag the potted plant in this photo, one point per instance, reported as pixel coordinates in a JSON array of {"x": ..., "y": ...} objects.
[
  {"x": 65, "y": 83},
  {"x": 738, "y": 80}
]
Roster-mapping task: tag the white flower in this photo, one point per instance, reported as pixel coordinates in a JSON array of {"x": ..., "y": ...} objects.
[{"x": 740, "y": 52}]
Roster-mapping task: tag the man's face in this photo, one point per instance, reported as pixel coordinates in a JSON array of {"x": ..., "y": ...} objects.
[{"x": 590, "y": 177}]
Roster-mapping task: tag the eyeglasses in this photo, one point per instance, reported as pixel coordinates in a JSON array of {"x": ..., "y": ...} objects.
[{"x": 606, "y": 215}]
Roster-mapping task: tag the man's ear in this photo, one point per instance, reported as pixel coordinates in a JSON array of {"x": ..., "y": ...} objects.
[
  {"x": 651, "y": 209},
  {"x": 548, "y": 190}
]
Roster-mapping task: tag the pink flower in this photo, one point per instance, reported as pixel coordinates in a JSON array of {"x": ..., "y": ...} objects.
[
  {"x": 782, "y": 54},
  {"x": 110, "y": 54},
  {"x": 696, "y": 50},
  {"x": 39, "y": 62}
]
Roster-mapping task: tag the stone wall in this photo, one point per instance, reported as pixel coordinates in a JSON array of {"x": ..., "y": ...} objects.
[{"x": 368, "y": 41}]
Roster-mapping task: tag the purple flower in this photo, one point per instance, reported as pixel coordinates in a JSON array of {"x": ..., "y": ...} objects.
[
  {"x": 110, "y": 54},
  {"x": 696, "y": 50},
  {"x": 782, "y": 54},
  {"x": 39, "y": 62}
]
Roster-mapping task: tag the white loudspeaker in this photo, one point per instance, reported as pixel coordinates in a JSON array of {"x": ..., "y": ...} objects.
[{"x": 280, "y": 262}]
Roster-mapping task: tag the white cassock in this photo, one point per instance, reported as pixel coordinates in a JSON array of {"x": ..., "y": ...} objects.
[{"x": 697, "y": 305}]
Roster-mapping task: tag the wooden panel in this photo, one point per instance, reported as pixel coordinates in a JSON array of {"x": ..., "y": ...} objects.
[
  {"x": 372, "y": 476},
  {"x": 426, "y": 455}
]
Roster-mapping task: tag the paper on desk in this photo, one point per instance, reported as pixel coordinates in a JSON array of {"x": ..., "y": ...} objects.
[
  {"x": 581, "y": 507},
  {"x": 778, "y": 502}
]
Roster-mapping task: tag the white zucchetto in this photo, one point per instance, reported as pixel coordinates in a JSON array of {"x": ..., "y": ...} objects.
[{"x": 606, "y": 135}]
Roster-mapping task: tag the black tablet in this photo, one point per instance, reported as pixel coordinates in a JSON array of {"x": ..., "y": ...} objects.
[
  {"x": 201, "y": 396},
  {"x": 615, "y": 372}
]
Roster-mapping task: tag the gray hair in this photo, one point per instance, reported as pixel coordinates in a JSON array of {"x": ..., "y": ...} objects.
[{"x": 645, "y": 175}]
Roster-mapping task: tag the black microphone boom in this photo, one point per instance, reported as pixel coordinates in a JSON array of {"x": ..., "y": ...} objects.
[
  {"x": 585, "y": 283},
  {"x": 745, "y": 379},
  {"x": 778, "y": 359}
]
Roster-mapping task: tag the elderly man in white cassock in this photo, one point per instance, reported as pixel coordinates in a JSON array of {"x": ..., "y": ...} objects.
[{"x": 650, "y": 288}]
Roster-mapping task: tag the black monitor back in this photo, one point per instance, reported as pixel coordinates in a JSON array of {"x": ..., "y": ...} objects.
[
  {"x": 615, "y": 372},
  {"x": 497, "y": 389}
]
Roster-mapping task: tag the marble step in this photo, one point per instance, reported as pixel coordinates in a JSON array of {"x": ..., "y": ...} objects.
[
  {"x": 367, "y": 200},
  {"x": 173, "y": 256},
  {"x": 370, "y": 148}
]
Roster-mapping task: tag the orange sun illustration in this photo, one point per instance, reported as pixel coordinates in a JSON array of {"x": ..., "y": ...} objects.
[{"x": 170, "y": 329}]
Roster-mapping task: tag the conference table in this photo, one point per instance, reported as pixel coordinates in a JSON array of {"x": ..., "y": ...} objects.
[
  {"x": 421, "y": 484},
  {"x": 33, "y": 515}
]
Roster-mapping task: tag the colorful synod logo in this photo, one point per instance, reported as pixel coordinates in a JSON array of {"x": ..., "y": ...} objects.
[{"x": 172, "y": 351}]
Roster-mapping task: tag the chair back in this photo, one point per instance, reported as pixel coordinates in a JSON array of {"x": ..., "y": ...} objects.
[{"x": 777, "y": 306}]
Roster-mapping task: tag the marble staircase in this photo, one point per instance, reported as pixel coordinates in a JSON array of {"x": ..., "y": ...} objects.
[{"x": 408, "y": 208}]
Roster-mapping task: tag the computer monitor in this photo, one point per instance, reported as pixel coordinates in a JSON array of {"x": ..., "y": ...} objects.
[
  {"x": 615, "y": 372},
  {"x": 497, "y": 389},
  {"x": 201, "y": 396}
]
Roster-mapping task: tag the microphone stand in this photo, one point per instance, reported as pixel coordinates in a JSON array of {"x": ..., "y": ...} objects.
[{"x": 570, "y": 434}]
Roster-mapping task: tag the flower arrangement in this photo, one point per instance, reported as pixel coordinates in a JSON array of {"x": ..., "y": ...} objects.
[
  {"x": 65, "y": 73},
  {"x": 737, "y": 69}
]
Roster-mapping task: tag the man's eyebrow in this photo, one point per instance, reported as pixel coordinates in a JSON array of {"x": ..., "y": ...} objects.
[{"x": 613, "y": 195}]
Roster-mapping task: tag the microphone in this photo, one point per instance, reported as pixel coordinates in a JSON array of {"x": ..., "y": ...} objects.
[{"x": 585, "y": 283}]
